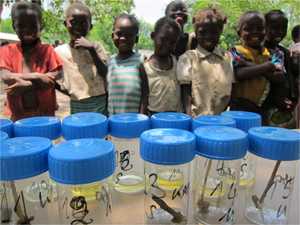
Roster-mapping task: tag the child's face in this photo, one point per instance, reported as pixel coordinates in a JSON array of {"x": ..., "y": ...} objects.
[
  {"x": 124, "y": 35},
  {"x": 165, "y": 40},
  {"x": 253, "y": 32},
  {"x": 27, "y": 27},
  {"x": 208, "y": 34},
  {"x": 179, "y": 13},
  {"x": 78, "y": 24},
  {"x": 276, "y": 29}
]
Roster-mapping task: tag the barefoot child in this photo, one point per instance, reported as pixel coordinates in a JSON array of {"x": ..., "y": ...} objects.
[
  {"x": 253, "y": 68},
  {"x": 164, "y": 89},
  {"x": 127, "y": 81},
  {"x": 28, "y": 67},
  {"x": 205, "y": 73},
  {"x": 84, "y": 64}
]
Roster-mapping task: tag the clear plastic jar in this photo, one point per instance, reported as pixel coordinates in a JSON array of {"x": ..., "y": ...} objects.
[
  {"x": 84, "y": 125},
  {"x": 167, "y": 154},
  {"x": 75, "y": 166},
  {"x": 125, "y": 130},
  {"x": 25, "y": 196},
  {"x": 277, "y": 150},
  {"x": 171, "y": 120},
  {"x": 7, "y": 126},
  {"x": 245, "y": 121},
  {"x": 215, "y": 189},
  {"x": 39, "y": 126}
]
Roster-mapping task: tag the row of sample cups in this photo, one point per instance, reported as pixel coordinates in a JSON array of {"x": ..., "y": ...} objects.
[{"x": 168, "y": 189}]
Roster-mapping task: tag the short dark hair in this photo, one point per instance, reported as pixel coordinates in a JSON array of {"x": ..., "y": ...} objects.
[
  {"x": 246, "y": 16},
  {"x": 24, "y": 6},
  {"x": 131, "y": 18},
  {"x": 80, "y": 6},
  {"x": 212, "y": 14},
  {"x": 173, "y": 4},
  {"x": 276, "y": 12},
  {"x": 166, "y": 21},
  {"x": 296, "y": 33}
]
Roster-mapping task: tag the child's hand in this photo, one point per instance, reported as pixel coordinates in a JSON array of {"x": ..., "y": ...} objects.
[
  {"x": 18, "y": 86},
  {"x": 46, "y": 80},
  {"x": 83, "y": 43},
  {"x": 286, "y": 104}
]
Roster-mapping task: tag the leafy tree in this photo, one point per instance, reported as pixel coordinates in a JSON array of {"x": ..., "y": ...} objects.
[
  {"x": 6, "y": 26},
  {"x": 145, "y": 41},
  {"x": 233, "y": 9}
]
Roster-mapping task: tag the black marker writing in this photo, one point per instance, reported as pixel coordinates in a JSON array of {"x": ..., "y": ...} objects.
[
  {"x": 125, "y": 160},
  {"x": 80, "y": 210}
]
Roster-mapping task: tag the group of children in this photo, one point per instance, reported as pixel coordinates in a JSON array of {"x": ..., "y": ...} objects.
[{"x": 186, "y": 73}]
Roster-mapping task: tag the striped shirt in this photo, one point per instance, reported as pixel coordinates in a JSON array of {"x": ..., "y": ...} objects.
[{"x": 124, "y": 84}]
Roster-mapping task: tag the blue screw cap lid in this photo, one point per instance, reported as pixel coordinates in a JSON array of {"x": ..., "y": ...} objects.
[
  {"x": 128, "y": 125},
  {"x": 85, "y": 125},
  {"x": 7, "y": 126},
  {"x": 171, "y": 120},
  {"x": 275, "y": 143},
  {"x": 244, "y": 120},
  {"x": 82, "y": 161},
  {"x": 23, "y": 157},
  {"x": 167, "y": 146},
  {"x": 221, "y": 143},
  {"x": 40, "y": 126},
  {"x": 3, "y": 136},
  {"x": 212, "y": 120}
]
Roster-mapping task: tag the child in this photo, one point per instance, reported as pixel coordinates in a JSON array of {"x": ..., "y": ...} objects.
[
  {"x": 28, "y": 67},
  {"x": 295, "y": 55},
  {"x": 84, "y": 64},
  {"x": 295, "y": 52},
  {"x": 206, "y": 73},
  {"x": 164, "y": 90},
  {"x": 127, "y": 81},
  {"x": 253, "y": 69},
  {"x": 282, "y": 97},
  {"x": 177, "y": 10}
]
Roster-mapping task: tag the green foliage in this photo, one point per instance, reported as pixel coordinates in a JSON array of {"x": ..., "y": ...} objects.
[
  {"x": 53, "y": 18},
  {"x": 145, "y": 41},
  {"x": 6, "y": 26},
  {"x": 233, "y": 9}
]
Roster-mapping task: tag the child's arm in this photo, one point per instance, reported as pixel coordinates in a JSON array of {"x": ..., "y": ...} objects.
[
  {"x": 184, "y": 73},
  {"x": 101, "y": 66},
  {"x": 267, "y": 70},
  {"x": 60, "y": 89},
  {"x": 46, "y": 78},
  {"x": 18, "y": 81},
  {"x": 145, "y": 91},
  {"x": 254, "y": 71},
  {"x": 186, "y": 98}
]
